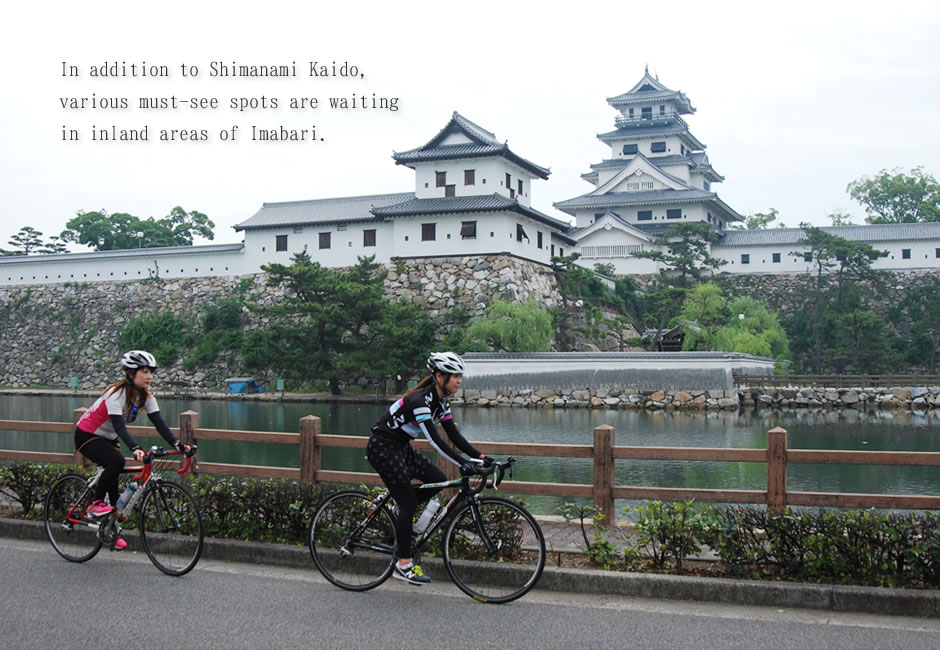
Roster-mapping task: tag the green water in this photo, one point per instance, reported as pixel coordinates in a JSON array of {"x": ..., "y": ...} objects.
[{"x": 903, "y": 431}]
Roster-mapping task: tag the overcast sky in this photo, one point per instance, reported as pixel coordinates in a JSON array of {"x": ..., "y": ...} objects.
[{"x": 794, "y": 100}]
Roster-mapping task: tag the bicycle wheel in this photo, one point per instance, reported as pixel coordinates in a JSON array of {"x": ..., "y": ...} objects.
[
  {"x": 352, "y": 550},
  {"x": 506, "y": 570},
  {"x": 73, "y": 539},
  {"x": 171, "y": 528}
]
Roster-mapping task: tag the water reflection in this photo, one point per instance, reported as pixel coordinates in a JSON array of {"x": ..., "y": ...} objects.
[{"x": 846, "y": 429}]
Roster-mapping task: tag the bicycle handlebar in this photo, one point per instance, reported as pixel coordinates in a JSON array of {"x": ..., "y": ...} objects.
[
  {"x": 499, "y": 469},
  {"x": 156, "y": 452}
]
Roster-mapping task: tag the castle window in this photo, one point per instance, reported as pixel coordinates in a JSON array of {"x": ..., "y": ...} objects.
[
  {"x": 629, "y": 148},
  {"x": 646, "y": 112},
  {"x": 631, "y": 113},
  {"x": 450, "y": 191},
  {"x": 674, "y": 214},
  {"x": 324, "y": 240},
  {"x": 647, "y": 185},
  {"x": 807, "y": 257},
  {"x": 644, "y": 215},
  {"x": 538, "y": 239},
  {"x": 280, "y": 243},
  {"x": 440, "y": 179},
  {"x": 657, "y": 147},
  {"x": 508, "y": 181},
  {"x": 745, "y": 258},
  {"x": 633, "y": 186},
  {"x": 428, "y": 231},
  {"x": 468, "y": 229},
  {"x": 775, "y": 257},
  {"x": 662, "y": 109},
  {"x": 937, "y": 252},
  {"x": 520, "y": 233},
  {"x": 368, "y": 237},
  {"x": 520, "y": 186},
  {"x": 905, "y": 253},
  {"x": 469, "y": 176}
]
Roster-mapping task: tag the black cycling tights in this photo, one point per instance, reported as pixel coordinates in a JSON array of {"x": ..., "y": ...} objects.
[
  {"x": 107, "y": 454},
  {"x": 407, "y": 499}
]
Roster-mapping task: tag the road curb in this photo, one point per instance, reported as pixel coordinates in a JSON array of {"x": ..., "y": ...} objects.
[{"x": 789, "y": 595}]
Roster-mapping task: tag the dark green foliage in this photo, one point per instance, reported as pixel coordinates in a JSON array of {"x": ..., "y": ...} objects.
[
  {"x": 335, "y": 324},
  {"x": 27, "y": 484},
  {"x": 163, "y": 334},
  {"x": 257, "y": 510},
  {"x": 103, "y": 231}
]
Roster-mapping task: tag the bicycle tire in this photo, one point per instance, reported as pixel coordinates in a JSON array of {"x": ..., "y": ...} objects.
[
  {"x": 512, "y": 569},
  {"x": 349, "y": 551},
  {"x": 171, "y": 530},
  {"x": 76, "y": 542}
]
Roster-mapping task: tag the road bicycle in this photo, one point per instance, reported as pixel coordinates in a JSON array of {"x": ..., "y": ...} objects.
[
  {"x": 492, "y": 548},
  {"x": 169, "y": 523}
]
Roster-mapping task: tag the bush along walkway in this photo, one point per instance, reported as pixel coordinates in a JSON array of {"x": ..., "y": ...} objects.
[{"x": 857, "y": 560}]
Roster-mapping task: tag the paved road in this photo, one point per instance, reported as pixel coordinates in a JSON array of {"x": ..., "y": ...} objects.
[{"x": 121, "y": 600}]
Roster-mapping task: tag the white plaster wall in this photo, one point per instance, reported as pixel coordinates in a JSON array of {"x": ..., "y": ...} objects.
[
  {"x": 923, "y": 255},
  {"x": 490, "y": 178},
  {"x": 496, "y": 232}
]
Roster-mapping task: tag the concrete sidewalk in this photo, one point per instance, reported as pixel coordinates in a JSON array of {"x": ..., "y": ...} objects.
[{"x": 566, "y": 536}]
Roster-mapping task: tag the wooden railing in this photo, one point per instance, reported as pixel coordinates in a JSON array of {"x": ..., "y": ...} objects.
[
  {"x": 837, "y": 381},
  {"x": 603, "y": 491}
]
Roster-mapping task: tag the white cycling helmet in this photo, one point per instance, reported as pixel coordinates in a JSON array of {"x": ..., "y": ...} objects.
[
  {"x": 446, "y": 362},
  {"x": 138, "y": 359}
]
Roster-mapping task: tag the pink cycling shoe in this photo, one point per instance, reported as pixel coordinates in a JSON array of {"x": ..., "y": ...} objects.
[
  {"x": 120, "y": 544},
  {"x": 99, "y": 508}
]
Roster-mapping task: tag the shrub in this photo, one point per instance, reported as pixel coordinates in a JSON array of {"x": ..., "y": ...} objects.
[{"x": 27, "y": 484}]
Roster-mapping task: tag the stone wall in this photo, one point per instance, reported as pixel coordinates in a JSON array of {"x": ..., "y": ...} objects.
[{"x": 51, "y": 333}]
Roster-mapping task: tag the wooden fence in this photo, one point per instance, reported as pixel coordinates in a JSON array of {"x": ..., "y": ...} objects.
[
  {"x": 836, "y": 381},
  {"x": 604, "y": 452}
]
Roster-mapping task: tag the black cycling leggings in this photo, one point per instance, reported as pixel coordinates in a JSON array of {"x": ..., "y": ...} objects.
[
  {"x": 106, "y": 453},
  {"x": 395, "y": 463}
]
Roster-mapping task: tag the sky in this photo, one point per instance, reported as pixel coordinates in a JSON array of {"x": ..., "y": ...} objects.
[{"x": 793, "y": 100}]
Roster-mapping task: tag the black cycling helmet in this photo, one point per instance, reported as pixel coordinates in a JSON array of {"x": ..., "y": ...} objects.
[
  {"x": 138, "y": 359},
  {"x": 447, "y": 362}
]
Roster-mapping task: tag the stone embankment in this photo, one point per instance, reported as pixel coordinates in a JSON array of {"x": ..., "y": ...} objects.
[
  {"x": 918, "y": 398},
  {"x": 789, "y": 397}
]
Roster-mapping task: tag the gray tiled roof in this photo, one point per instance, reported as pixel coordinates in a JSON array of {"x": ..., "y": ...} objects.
[
  {"x": 484, "y": 145},
  {"x": 463, "y": 204},
  {"x": 869, "y": 233},
  {"x": 634, "y": 198},
  {"x": 208, "y": 249},
  {"x": 341, "y": 209}
]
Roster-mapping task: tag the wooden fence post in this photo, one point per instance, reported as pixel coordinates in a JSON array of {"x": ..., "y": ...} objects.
[
  {"x": 309, "y": 448},
  {"x": 777, "y": 470},
  {"x": 604, "y": 472},
  {"x": 189, "y": 422},
  {"x": 78, "y": 458}
]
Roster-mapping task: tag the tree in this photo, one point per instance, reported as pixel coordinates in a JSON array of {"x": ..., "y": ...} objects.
[
  {"x": 759, "y": 331},
  {"x": 839, "y": 218},
  {"x": 26, "y": 240},
  {"x": 846, "y": 261},
  {"x": 896, "y": 197},
  {"x": 684, "y": 249},
  {"x": 103, "y": 231},
  {"x": 705, "y": 311},
  {"x": 53, "y": 246},
  {"x": 335, "y": 324},
  {"x": 759, "y": 221},
  {"x": 513, "y": 327}
]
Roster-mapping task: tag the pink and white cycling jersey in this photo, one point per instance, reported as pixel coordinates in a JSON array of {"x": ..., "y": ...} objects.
[{"x": 97, "y": 420}]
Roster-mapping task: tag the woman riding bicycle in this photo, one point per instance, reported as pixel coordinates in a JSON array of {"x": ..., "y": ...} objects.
[
  {"x": 98, "y": 430},
  {"x": 389, "y": 450}
]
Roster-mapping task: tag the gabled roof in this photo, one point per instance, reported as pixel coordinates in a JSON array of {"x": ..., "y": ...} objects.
[
  {"x": 873, "y": 234},
  {"x": 697, "y": 162},
  {"x": 648, "y": 90},
  {"x": 477, "y": 143},
  {"x": 607, "y": 220},
  {"x": 641, "y": 163},
  {"x": 335, "y": 210},
  {"x": 464, "y": 204}
]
